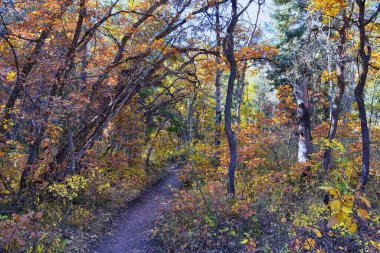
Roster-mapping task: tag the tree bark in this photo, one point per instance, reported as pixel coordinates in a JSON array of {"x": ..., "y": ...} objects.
[
  {"x": 303, "y": 116},
  {"x": 304, "y": 144},
  {"x": 359, "y": 90},
  {"x": 33, "y": 154},
  {"x": 349, "y": 96},
  {"x": 218, "y": 77},
  {"x": 228, "y": 48},
  {"x": 71, "y": 146},
  {"x": 240, "y": 94},
  {"x": 335, "y": 109},
  {"x": 150, "y": 150},
  {"x": 372, "y": 111}
]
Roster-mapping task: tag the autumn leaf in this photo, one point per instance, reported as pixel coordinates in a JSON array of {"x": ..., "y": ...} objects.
[
  {"x": 330, "y": 190},
  {"x": 348, "y": 200},
  {"x": 245, "y": 241},
  {"x": 309, "y": 244},
  {"x": 332, "y": 221},
  {"x": 317, "y": 232},
  {"x": 335, "y": 205},
  {"x": 335, "y": 219},
  {"x": 131, "y": 3},
  {"x": 347, "y": 210},
  {"x": 363, "y": 214},
  {"x": 353, "y": 228},
  {"x": 365, "y": 201},
  {"x": 348, "y": 222},
  {"x": 11, "y": 75}
]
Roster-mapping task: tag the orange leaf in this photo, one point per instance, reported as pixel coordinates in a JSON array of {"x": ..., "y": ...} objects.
[
  {"x": 365, "y": 201},
  {"x": 363, "y": 214}
]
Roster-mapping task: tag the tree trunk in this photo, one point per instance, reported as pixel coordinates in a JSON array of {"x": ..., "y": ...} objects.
[
  {"x": 240, "y": 94},
  {"x": 303, "y": 116},
  {"x": 190, "y": 114},
  {"x": 336, "y": 104},
  {"x": 218, "y": 77},
  {"x": 241, "y": 85},
  {"x": 71, "y": 146},
  {"x": 374, "y": 94},
  {"x": 33, "y": 154},
  {"x": 349, "y": 96},
  {"x": 359, "y": 90},
  {"x": 331, "y": 88},
  {"x": 150, "y": 150},
  {"x": 304, "y": 144},
  {"x": 228, "y": 48}
]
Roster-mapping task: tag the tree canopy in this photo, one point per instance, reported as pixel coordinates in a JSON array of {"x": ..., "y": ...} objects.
[{"x": 276, "y": 130}]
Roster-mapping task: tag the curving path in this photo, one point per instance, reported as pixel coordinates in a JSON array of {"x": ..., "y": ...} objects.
[{"x": 133, "y": 228}]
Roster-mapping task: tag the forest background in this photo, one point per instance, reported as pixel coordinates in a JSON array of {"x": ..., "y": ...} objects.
[{"x": 276, "y": 127}]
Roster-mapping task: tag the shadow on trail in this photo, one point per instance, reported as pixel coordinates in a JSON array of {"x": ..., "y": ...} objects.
[{"x": 132, "y": 232}]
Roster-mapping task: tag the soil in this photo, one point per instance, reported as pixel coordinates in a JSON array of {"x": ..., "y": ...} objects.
[{"x": 132, "y": 232}]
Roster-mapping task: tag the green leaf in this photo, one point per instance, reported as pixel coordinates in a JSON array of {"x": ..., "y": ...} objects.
[{"x": 326, "y": 188}]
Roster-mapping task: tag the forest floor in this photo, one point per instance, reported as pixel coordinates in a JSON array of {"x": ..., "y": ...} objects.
[{"x": 132, "y": 231}]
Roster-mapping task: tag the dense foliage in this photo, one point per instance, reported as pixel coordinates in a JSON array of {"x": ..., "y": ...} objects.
[{"x": 277, "y": 130}]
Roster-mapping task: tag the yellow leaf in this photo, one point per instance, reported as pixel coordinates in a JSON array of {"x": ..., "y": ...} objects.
[
  {"x": 131, "y": 3},
  {"x": 10, "y": 76},
  {"x": 335, "y": 205},
  {"x": 245, "y": 241},
  {"x": 317, "y": 232},
  {"x": 348, "y": 222},
  {"x": 353, "y": 228},
  {"x": 335, "y": 192},
  {"x": 340, "y": 216},
  {"x": 347, "y": 209},
  {"x": 309, "y": 243},
  {"x": 363, "y": 213},
  {"x": 330, "y": 190}
]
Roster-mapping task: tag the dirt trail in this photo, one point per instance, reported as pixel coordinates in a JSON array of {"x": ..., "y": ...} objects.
[{"x": 133, "y": 228}]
